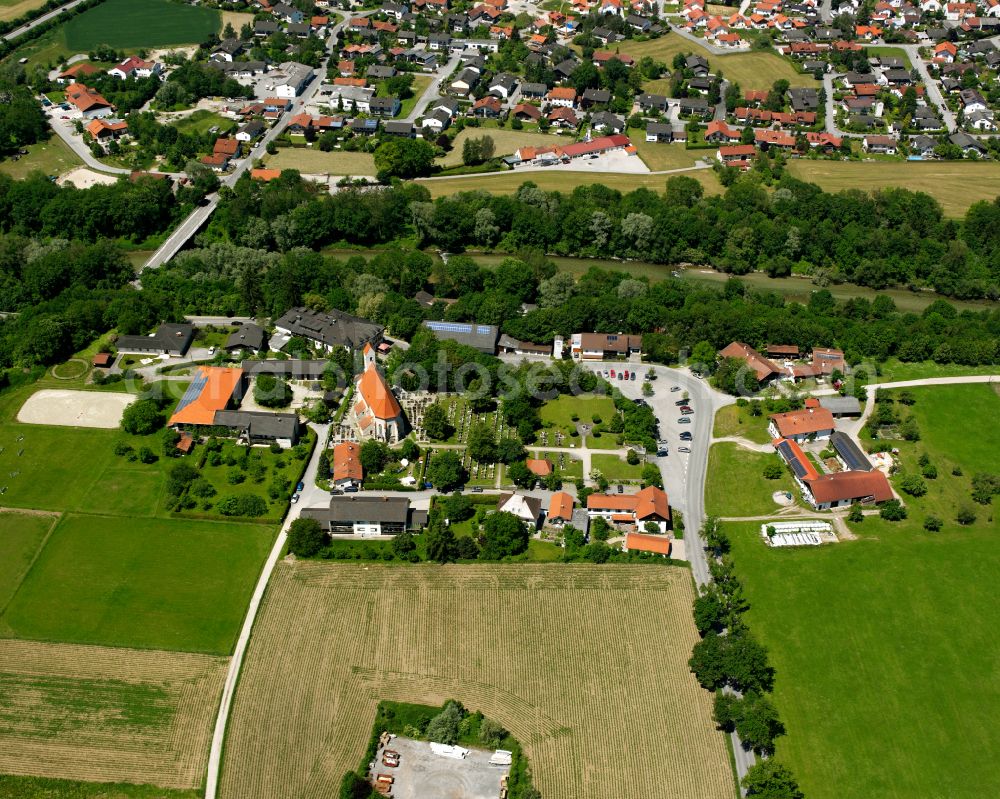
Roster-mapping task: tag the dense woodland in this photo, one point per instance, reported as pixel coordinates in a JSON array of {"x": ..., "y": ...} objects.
[{"x": 260, "y": 256}]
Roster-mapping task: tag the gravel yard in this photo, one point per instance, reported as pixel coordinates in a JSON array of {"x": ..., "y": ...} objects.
[{"x": 69, "y": 408}]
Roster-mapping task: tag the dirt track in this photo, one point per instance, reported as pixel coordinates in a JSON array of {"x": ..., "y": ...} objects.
[{"x": 68, "y": 408}]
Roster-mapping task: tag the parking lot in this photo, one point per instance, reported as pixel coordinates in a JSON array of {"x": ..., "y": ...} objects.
[{"x": 421, "y": 774}]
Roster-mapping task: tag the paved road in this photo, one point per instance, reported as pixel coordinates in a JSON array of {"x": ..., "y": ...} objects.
[
  {"x": 433, "y": 92},
  {"x": 40, "y": 20},
  {"x": 933, "y": 87},
  {"x": 232, "y": 675},
  {"x": 205, "y": 321}
]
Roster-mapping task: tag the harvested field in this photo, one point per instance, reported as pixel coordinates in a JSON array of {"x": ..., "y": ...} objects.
[
  {"x": 12, "y": 9},
  {"x": 75, "y": 408},
  {"x": 585, "y": 665},
  {"x": 98, "y": 714}
]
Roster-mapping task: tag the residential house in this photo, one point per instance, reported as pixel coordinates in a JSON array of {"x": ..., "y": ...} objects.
[
  {"x": 346, "y": 465},
  {"x": 526, "y": 112},
  {"x": 169, "y": 339},
  {"x": 605, "y": 122},
  {"x": 367, "y": 516},
  {"x": 88, "y": 103},
  {"x": 803, "y": 425},
  {"x": 763, "y": 368},
  {"x": 659, "y": 132},
  {"x": 648, "y": 506},
  {"x": 592, "y": 97},
  {"x": 487, "y": 107},
  {"x": 560, "y": 509},
  {"x": 527, "y": 509},
  {"x": 503, "y": 86},
  {"x": 248, "y": 338},
  {"x": 135, "y": 67},
  {"x": 102, "y": 129},
  {"x": 737, "y": 155},
  {"x": 884, "y": 145},
  {"x": 563, "y": 97}
]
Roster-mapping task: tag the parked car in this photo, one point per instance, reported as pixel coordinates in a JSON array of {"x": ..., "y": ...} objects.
[
  {"x": 684, "y": 420},
  {"x": 477, "y": 489},
  {"x": 351, "y": 489},
  {"x": 612, "y": 374},
  {"x": 675, "y": 388},
  {"x": 621, "y": 489},
  {"x": 606, "y": 373},
  {"x": 686, "y": 436},
  {"x": 687, "y": 411},
  {"x": 295, "y": 498},
  {"x": 632, "y": 376},
  {"x": 301, "y": 486},
  {"x": 684, "y": 449},
  {"x": 640, "y": 402},
  {"x": 625, "y": 373}
]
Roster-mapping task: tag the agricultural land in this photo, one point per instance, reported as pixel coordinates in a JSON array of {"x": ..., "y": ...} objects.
[
  {"x": 368, "y": 633},
  {"x": 898, "y": 620}
]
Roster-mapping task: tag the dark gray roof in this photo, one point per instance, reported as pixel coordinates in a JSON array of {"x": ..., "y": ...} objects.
[
  {"x": 260, "y": 424},
  {"x": 841, "y": 405},
  {"x": 533, "y": 88},
  {"x": 849, "y": 451},
  {"x": 481, "y": 337},
  {"x": 247, "y": 336},
  {"x": 333, "y": 328},
  {"x": 294, "y": 368},
  {"x": 169, "y": 337},
  {"x": 597, "y": 95},
  {"x": 362, "y": 509}
]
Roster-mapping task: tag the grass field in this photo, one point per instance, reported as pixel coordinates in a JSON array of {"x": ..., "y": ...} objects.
[
  {"x": 890, "y": 52},
  {"x": 147, "y": 584},
  {"x": 614, "y": 467},
  {"x": 50, "y": 157},
  {"x": 12, "y": 9},
  {"x": 561, "y": 180},
  {"x": 735, "y": 421},
  {"x": 736, "y": 485},
  {"x": 667, "y": 156},
  {"x": 900, "y": 620},
  {"x": 202, "y": 120},
  {"x": 18, "y": 787},
  {"x": 954, "y": 184},
  {"x": 569, "y": 672},
  {"x": 755, "y": 70},
  {"x": 313, "y": 161},
  {"x": 126, "y": 24},
  {"x": 893, "y": 370},
  {"x": 506, "y": 141},
  {"x": 101, "y": 714},
  {"x": 21, "y": 537},
  {"x": 559, "y": 412}
]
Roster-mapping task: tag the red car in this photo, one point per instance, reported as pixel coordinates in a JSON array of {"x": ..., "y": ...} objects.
[
  {"x": 625, "y": 374},
  {"x": 612, "y": 374}
]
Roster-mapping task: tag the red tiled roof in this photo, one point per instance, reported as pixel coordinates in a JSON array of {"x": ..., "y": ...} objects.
[
  {"x": 541, "y": 467},
  {"x": 377, "y": 394},
  {"x": 210, "y": 391},
  {"x": 561, "y": 506},
  {"x": 347, "y": 462},
  {"x": 762, "y": 367},
  {"x": 802, "y": 423},
  {"x": 658, "y": 544},
  {"x": 842, "y": 486}
]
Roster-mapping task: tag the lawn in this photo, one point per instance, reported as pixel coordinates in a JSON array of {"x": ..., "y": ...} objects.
[
  {"x": 615, "y": 468},
  {"x": 890, "y": 52},
  {"x": 571, "y": 467},
  {"x": 505, "y": 142},
  {"x": 893, "y": 370},
  {"x": 733, "y": 420},
  {"x": 561, "y": 180},
  {"x": 557, "y": 416},
  {"x": 420, "y": 84},
  {"x": 202, "y": 120},
  {"x": 954, "y": 184},
  {"x": 900, "y": 620},
  {"x": 736, "y": 485},
  {"x": 21, "y": 537},
  {"x": 313, "y": 161},
  {"x": 141, "y": 583},
  {"x": 659, "y": 157},
  {"x": 50, "y": 157},
  {"x": 753, "y": 70},
  {"x": 140, "y": 24}
]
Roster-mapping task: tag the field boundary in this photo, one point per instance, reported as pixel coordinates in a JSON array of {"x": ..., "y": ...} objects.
[{"x": 57, "y": 517}]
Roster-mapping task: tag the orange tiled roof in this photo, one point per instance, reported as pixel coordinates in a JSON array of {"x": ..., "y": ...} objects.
[
  {"x": 561, "y": 506},
  {"x": 647, "y": 543},
  {"x": 347, "y": 462},
  {"x": 265, "y": 174},
  {"x": 377, "y": 394},
  {"x": 539, "y": 466},
  {"x": 802, "y": 423},
  {"x": 210, "y": 391}
]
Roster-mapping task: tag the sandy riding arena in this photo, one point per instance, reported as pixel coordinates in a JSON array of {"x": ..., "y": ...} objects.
[{"x": 74, "y": 408}]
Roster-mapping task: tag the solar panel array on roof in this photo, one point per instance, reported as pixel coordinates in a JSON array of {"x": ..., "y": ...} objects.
[
  {"x": 850, "y": 453},
  {"x": 193, "y": 391},
  {"x": 792, "y": 460},
  {"x": 484, "y": 330},
  {"x": 454, "y": 327}
]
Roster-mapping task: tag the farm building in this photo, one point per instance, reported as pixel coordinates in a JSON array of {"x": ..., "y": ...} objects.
[
  {"x": 648, "y": 505},
  {"x": 169, "y": 339},
  {"x": 844, "y": 488},
  {"x": 214, "y": 388},
  {"x": 638, "y": 542},
  {"x": 850, "y": 455},
  {"x": 803, "y": 425},
  {"x": 367, "y": 517},
  {"x": 261, "y": 427},
  {"x": 841, "y": 406}
]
